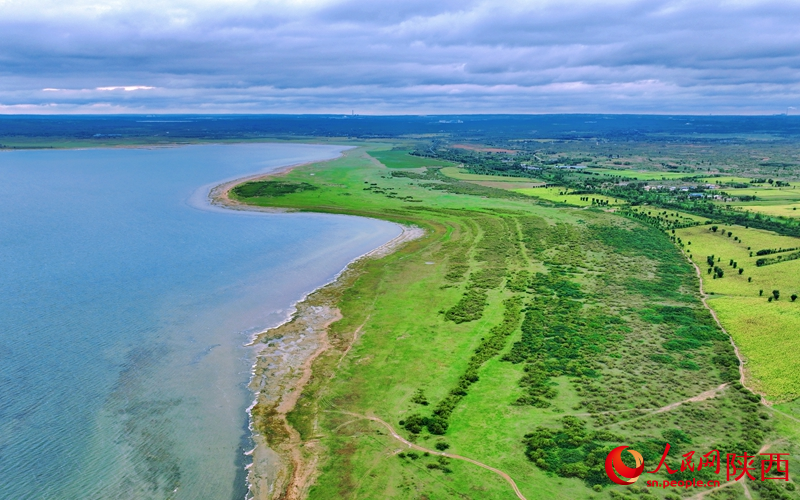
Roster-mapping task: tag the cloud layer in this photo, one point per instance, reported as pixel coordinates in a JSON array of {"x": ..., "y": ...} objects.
[{"x": 410, "y": 56}]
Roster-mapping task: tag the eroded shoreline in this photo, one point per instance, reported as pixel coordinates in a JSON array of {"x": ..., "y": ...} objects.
[{"x": 283, "y": 464}]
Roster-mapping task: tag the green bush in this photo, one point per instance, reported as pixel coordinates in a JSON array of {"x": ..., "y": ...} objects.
[{"x": 271, "y": 189}]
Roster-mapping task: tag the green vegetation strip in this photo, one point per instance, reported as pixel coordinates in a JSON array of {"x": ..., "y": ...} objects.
[{"x": 523, "y": 335}]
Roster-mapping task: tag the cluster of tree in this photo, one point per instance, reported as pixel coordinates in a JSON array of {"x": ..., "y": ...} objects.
[
  {"x": 572, "y": 450},
  {"x": 595, "y": 201},
  {"x": 419, "y": 398},
  {"x": 441, "y": 462},
  {"x": 659, "y": 221},
  {"x": 559, "y": 337},
  {"x": 519, "y": 281},
  {"x": 770, "y": 251},
  {"x": 270, "y": 189},
  {"x": 770, "y": 181},
  {"x": 766, "y": 261},
  {"x": 469, "y": 307}
]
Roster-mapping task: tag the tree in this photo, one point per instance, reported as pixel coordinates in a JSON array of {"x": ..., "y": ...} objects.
[
  {"x": 794, "y": 297},
  {"x": 714, "y": 228},
  {"x": 741, "y": 270},
  {"x": 760, "y": 293},
  {"x": 730, "y": 234},
  {"x": 776, "y": 294},
  {"x": 749, "y": 279}
]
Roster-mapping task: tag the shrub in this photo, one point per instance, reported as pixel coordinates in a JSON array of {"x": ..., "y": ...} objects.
[
  {"x": 419, "y": 398},
  {"x": 270, "y": 189}
]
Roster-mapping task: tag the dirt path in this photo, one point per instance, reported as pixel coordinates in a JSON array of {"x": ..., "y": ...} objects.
[
  {"x": 355, "y": 339},
  {"x": 302, "y": 470},
  {"x": 703, "y": 297},
  {"x": 694, "y": 399},
  {"x": 414, "y": 446}
]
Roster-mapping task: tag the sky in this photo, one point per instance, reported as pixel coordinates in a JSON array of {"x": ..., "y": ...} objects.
[{"x": 399, "y": 57}]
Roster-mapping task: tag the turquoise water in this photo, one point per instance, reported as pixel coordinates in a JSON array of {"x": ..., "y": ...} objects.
[{"x": 125, "y": 304}]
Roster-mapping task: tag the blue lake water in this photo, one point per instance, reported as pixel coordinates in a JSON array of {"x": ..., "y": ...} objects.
[{"x": 125, "y": 305}]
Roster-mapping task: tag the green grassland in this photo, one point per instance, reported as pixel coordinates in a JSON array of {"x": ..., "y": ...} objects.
[
  {"x": 768, "y": 193},
  {"x": 771, "y": 209},
  {"x": 393, "y": 158},
  {"x": 642, "y": 175},
  {"x": 766, "y": 332},
  {"x": 770, "y": 201},
  {"x": 726, "y": 179},
  {"x": 532, "y": 338},
  {"x": 461, "y": 174},
  {"x": 556, "y": 195}
]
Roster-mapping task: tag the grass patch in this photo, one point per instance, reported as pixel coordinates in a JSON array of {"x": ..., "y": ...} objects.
[
  {"x": 765, "y": 331},
  {"x": 463, "y": 175},
  {"x": 392, "y": 158},
  {"x": 560, "y": 195}
]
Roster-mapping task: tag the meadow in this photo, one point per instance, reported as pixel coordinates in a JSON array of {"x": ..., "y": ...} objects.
[
  {"x": 770, "y": 201},
  {"x": 529, "y": 337},
  {"x": 764, "y": 328},
  {"x": 394, "y": 158},
  {"x": 561, "y": 195},
  {"x": 463, "y": 175},
  {"x": 641, "y": 175}
]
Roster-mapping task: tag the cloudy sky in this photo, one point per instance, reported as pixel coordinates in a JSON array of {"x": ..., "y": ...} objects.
[{"x": 395, "y": 57}]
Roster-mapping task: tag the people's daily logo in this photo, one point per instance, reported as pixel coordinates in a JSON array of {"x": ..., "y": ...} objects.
[
  {"x": 772, "y": 466},
  {"x": 619, "y": 472}
]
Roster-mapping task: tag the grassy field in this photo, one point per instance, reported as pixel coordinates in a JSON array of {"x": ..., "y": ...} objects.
[
  {"x": 768, "y": 193},
  {"x": 555, "y": 194},
  {"x": 642, "y": 175},
  {"x": 765, "y": 331},
  {"x": 463, "y": 175},
  {"x": 727, "y": 179},
  {"x": 510, "y": 321},
  {"x": 771, "y": 209},
  {"x": 393, "y": 158}
]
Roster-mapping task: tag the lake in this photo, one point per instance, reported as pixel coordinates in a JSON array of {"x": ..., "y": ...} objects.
[{"x": 126, "y": 302}]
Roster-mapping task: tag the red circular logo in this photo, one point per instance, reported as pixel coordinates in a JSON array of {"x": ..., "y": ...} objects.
[{"x": 616, "y": 468}]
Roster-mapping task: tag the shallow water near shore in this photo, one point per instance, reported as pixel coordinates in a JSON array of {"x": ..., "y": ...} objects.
[{"x": 124, "y": 309}]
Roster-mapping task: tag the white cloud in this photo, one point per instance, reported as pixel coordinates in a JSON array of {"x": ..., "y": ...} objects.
[
  {"x": 129, "y": 88},
  {"x": 402, "y": 56}
]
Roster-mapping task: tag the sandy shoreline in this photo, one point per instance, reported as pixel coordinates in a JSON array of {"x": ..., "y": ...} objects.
[{"x": 283, "y": 465}]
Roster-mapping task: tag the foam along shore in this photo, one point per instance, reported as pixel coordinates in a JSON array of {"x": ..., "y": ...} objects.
[{"x": 283, "y": 465}]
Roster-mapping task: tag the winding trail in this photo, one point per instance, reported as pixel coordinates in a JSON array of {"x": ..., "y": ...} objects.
[
  {"x": 408, "y": 443},
  {"x": 711, "y": 393},
  {"x": 703, "y": 297}
]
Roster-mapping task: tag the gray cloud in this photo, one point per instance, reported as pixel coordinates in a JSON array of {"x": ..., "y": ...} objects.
[{"x": 409, "y": 56}]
